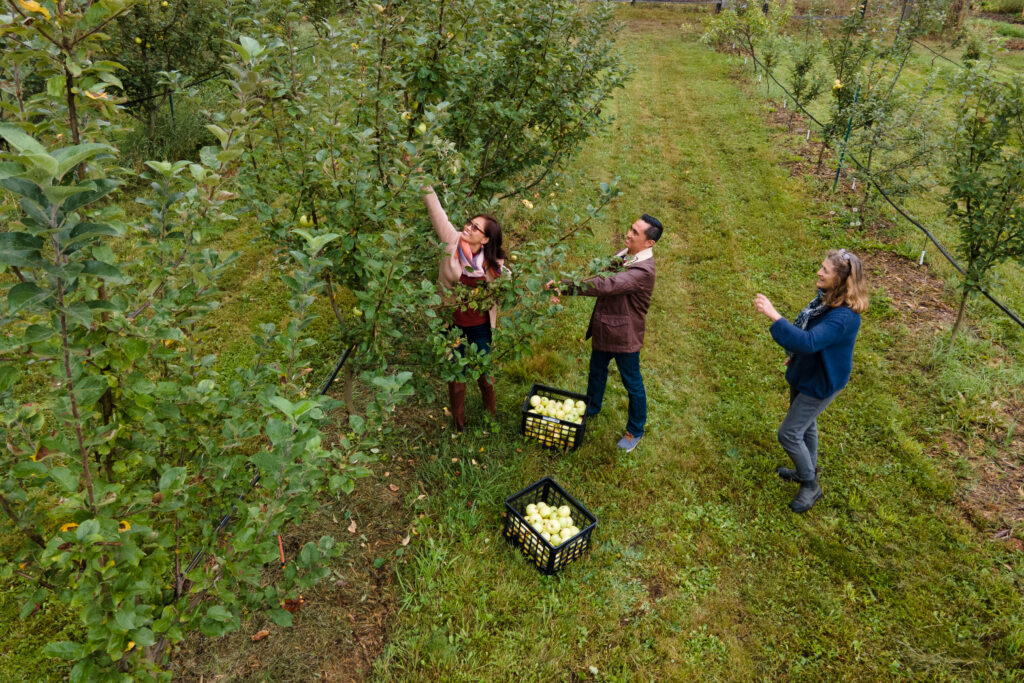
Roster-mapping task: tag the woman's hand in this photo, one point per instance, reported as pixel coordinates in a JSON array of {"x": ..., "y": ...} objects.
[{"x": 763, "y": 305}]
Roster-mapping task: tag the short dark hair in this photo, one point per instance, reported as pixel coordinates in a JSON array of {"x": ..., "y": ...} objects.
[{"x": 654, "y": 228}]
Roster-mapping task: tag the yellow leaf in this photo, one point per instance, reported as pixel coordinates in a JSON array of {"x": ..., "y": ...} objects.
[{"x": 33, "y": 6}]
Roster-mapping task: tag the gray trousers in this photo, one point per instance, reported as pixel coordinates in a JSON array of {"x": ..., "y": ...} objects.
[{"x": 798, "y": 433}]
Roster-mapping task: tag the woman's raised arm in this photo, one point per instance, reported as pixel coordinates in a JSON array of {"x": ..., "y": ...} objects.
[{"x": 438, "y": 218}]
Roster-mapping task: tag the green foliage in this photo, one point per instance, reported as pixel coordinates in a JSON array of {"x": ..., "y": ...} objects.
[
  {"x": 184, "y": 36},
  {"x": 758, "y": 32},
  {"x": 166, "y": 136},
  {"x": 123, "y": 440},
  {"x": 986, "y": 188},
  {"x": 483, "y": 99},
  {"x": 806, "y": 82}
]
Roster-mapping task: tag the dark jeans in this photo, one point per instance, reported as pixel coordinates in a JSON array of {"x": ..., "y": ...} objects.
[
  {"x": 479, "y": 335},
  {"x": 629, "y": 369},
  {"x": 798, "y": 433}
]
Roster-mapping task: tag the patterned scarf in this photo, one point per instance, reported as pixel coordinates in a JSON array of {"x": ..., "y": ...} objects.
[
  {"x": 472, "y": 264},
  {"x": 812, "y": 310}
]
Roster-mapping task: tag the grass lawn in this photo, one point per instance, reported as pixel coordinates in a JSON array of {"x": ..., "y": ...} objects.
[{"x": 698, "y": 570}]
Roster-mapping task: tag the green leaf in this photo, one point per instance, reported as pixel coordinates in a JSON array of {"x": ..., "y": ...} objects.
[
  {"x": 37, "y": 333},
  {"x": 70, "y": 157},
  {"x": 170, "y": 476},
  {"x": 27, "y": 468},
  {"x": 65, "y": 478},
  {"x": 44, "y": 162},
  {"x": 251, "y": 46},
  {"x": 80, "y": 313},
  {"x": 143, "y": 637},
  {"x": 219, "y": 132},
  {"x": 218, "y": 613},
  {"x": 64, "y": 649},
  {"x": 24, "y": 294},
  {"x": 89, "y": 527},
  {"x": 101, "y": 188},
  {"x": 87, "y": 229},
  {"x": 89, "y": 389},
  {"x": 281, "y": 617},
  {"x": 282, "y": 404},
  {"x": 125, "y": 618},
  {"x": 105, "y": 271},
  {"x": 8, "y": 376},
  {"x": 20, "y": 249},
  {"x": 20, "y": 140},
  {"x": 58, "y": 194}
]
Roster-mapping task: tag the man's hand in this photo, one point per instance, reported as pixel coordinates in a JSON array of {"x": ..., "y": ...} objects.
[
  {"x": 549, "y": 286},
  {"x": 764, "y": 306}
]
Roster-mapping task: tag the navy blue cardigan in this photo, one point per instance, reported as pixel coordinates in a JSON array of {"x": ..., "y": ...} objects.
[{"x": 822, "y": 354}]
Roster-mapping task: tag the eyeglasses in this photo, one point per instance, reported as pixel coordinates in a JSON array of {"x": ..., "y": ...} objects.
[{"x": 473, "y": 227}]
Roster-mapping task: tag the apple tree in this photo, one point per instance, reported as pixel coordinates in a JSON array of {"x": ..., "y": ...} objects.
[
  {"x": 986, "y": 186},
  {"x": 145, "y": 486}
]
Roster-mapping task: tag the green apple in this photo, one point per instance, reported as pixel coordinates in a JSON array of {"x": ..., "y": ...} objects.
[
  {"x": 304, "y": 221},
  {"x": 535, "y": 401},
  {"x": 531, "y": 510},
  {"x": 564, "y": 511}
]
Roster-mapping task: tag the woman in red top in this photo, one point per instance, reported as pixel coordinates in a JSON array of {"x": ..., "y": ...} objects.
[{"x": 472, "y": 258}]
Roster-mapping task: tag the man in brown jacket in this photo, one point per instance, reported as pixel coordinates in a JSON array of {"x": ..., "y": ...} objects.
[{"x": 618, "y": 321}]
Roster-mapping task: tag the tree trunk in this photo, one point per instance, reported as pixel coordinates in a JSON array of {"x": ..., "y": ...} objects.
[{"x": 960, "y": 315}]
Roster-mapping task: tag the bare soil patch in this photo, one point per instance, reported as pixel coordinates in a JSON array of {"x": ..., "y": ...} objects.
[{"x": 913, "y": 291}]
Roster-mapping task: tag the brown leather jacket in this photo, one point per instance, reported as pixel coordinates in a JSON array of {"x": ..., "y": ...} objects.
[{"x": 618, "y": 321}]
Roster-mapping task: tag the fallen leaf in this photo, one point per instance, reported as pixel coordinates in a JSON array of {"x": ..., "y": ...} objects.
[
  {"x": 455, "y": 459},
  {"x": 341, "y": 583},
  {"x": 473, "y": 461},
  {"x": 387, "y": 474},
  {"x": 352, "y": 527},
  {"x": 392, "y": 487},
  {"x": 405, "y": 541},
  {"x": 260, "y": 635},
  {"x": 421, "y": 496}
]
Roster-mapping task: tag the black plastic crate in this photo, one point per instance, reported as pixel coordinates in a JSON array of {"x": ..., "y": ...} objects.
[
  {"x": 551, "y": 431},
  {"x": 520, "y": 534}
]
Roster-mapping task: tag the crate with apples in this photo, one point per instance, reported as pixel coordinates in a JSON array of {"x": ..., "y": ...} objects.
[
  {"x": 548, "y": 525},
  {"x": 554, "y": 418}
]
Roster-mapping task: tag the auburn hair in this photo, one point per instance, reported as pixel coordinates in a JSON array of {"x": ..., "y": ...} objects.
[{"x": 851, "y": 286}]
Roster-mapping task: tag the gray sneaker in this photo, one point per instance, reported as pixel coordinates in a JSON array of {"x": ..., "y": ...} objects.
[{"x": 629, "y": 442}]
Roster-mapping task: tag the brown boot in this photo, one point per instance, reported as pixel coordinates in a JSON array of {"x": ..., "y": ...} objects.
[
  {"x": 457, "y": 403},
  {"x": 487, "y": 392}
]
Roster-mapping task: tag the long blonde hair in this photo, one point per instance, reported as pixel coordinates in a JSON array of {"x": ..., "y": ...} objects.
[{"x": 852, "y": 288}]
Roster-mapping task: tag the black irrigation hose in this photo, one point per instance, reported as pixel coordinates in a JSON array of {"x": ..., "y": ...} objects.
[
  {"x": 1013, "y": 316},
  {"x": 954, "y": 63},
  {"x": 256, "y": 479}
]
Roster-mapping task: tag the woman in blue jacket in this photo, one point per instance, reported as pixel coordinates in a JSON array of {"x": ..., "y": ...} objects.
[{"x": 819, "y": 349}]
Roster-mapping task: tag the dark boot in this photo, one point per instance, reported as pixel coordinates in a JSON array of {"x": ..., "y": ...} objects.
[
  {"x": 807, "y": 496},
  {"x": 457, "y": 404},
  {"x": 789, "y": 474},
  {"x": 487, "y": 392}
]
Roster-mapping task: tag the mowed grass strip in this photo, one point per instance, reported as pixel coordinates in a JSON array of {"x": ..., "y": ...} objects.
[{"x": 698, "y": 569}]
